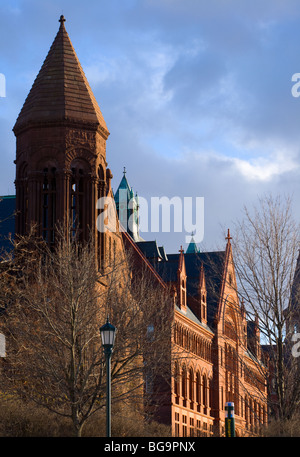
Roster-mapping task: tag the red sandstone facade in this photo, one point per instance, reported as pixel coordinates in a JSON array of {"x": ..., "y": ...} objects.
[
  {"x": 61, "y": 168},
  {"x": 216, "y": 355},
  {"x": 217, "y": 365},
  {"x": 61, "y": 172}
]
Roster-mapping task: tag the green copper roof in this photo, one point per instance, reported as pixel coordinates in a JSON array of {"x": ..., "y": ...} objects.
[
  {"x": 192, "y": 247},
  {"x": 127, "y": 208},
  {"x": 123, "y": 186}
]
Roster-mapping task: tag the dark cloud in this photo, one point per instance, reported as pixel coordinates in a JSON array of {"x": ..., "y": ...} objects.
[{"x": 196, "y": 94}]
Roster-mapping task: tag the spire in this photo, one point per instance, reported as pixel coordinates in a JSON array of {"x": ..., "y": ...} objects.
[
  {"x": 125, "y": 188},
  {"x": 62, "y": 20},
  {"x": 202, "y": 276},
  {"x": 127, "y": 205},
  {"x": 181, "y": 258},
  {"x": 228, "y": 237},
  {"x": 61, "y": 91}
]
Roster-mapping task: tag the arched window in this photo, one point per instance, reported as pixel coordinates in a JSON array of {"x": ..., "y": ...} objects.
[
  {"x": 184, "y": 385},
  {"x": 247, "y": 411},
  {"x": 191, "y": 388},
  {"x": 181, "y": 337},
  {"x": 100, "y": 242},
  {"x": 80, "y": 192},
  {"x": 198, "y": 391},
  {"x": 204, "y": 394},
  {"x": 76, "y": 205},
  {"x": 176, "y": 383},
  {"x": 49, "y": 205}
]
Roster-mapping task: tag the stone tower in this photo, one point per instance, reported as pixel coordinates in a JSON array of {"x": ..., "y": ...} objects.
[{"x": 61, "y": 168}]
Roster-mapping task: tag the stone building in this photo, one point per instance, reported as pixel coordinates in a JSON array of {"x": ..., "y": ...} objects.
[
  {"x": 216, "y": 352},
  {"x": 61, "y": 173}
]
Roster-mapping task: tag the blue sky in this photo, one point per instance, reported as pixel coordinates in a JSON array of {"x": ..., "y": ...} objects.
[{"x": 196, "y": 95}]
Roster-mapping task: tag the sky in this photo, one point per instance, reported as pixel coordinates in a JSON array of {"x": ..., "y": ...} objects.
[{"x": 197, "y": 96}]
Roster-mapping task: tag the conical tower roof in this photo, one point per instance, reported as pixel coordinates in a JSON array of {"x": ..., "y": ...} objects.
[{"x": 61, "y": 91}]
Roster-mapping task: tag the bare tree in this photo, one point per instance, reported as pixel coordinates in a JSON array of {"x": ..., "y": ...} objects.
[
  {"x": 57, "y": 303},
  {"x": 266, "y": 245}
]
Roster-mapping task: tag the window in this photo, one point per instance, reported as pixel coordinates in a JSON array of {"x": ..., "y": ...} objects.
[
  {"x": 176, "y": 384},
  {"x": 204, "y": 394},
  {"x": 49, "y": 205},
  {"x": 295, "y": 328},
  {"x": 76, "y": 204},
  {"x": 184, "y": 426},
  {"x": 149, "y": 382},
  {"x": 198, "y": 391},
  {"x": 184, "y": 386},
  {"x": 191, "y": 388},
  {"x": 100, "y": 238},
  {"x": 150, "y": 333},
  {"x": 192, "y": 433},
  {"x": 109, "y": 249}
]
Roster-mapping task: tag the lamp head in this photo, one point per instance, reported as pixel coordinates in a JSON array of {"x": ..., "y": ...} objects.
[{"x": 108, "y": 334}]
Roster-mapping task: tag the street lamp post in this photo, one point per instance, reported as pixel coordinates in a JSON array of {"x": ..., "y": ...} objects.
[
  {"x": 108, "y": 333},
  {"x": 229, "y": 419}
]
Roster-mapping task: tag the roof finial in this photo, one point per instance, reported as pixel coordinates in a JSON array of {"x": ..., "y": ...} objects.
[
  {"x": 228, "y": 237},
  {"x": 62, "y": 19},
  {"x": 124, "y": 171},
  {"x": 181, "y": 250}
]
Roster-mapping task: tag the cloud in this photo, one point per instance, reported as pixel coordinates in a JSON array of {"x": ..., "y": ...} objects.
[
  {"x": 196, "y": 94},
  {"x": 263, "y": 169}
]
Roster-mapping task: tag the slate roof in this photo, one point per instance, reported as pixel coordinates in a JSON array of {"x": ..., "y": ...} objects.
[
  {"x": 7, "y": 221},
  {"x": 151, "y": 250},
  {"x": 60, "y": 90},
  {"x": 163, "y": 253},
  {"x": 213, "y": 263},
  {"x": 190, "y": 315}
]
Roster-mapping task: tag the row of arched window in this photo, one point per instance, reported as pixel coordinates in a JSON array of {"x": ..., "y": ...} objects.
[
  {"x": 231, "y": 358},
  {"x": 192, "y": 389},
  {"x": 77, "y": 208},
  {"x": 255, "y": 413},
  {"x": 230, "y": 331},
  {"x": 192, "y": 342},
  {"x": 40, "y": 194},
  {"x": 255, "y": 379},
  {"x": 239, "y": 368}
]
